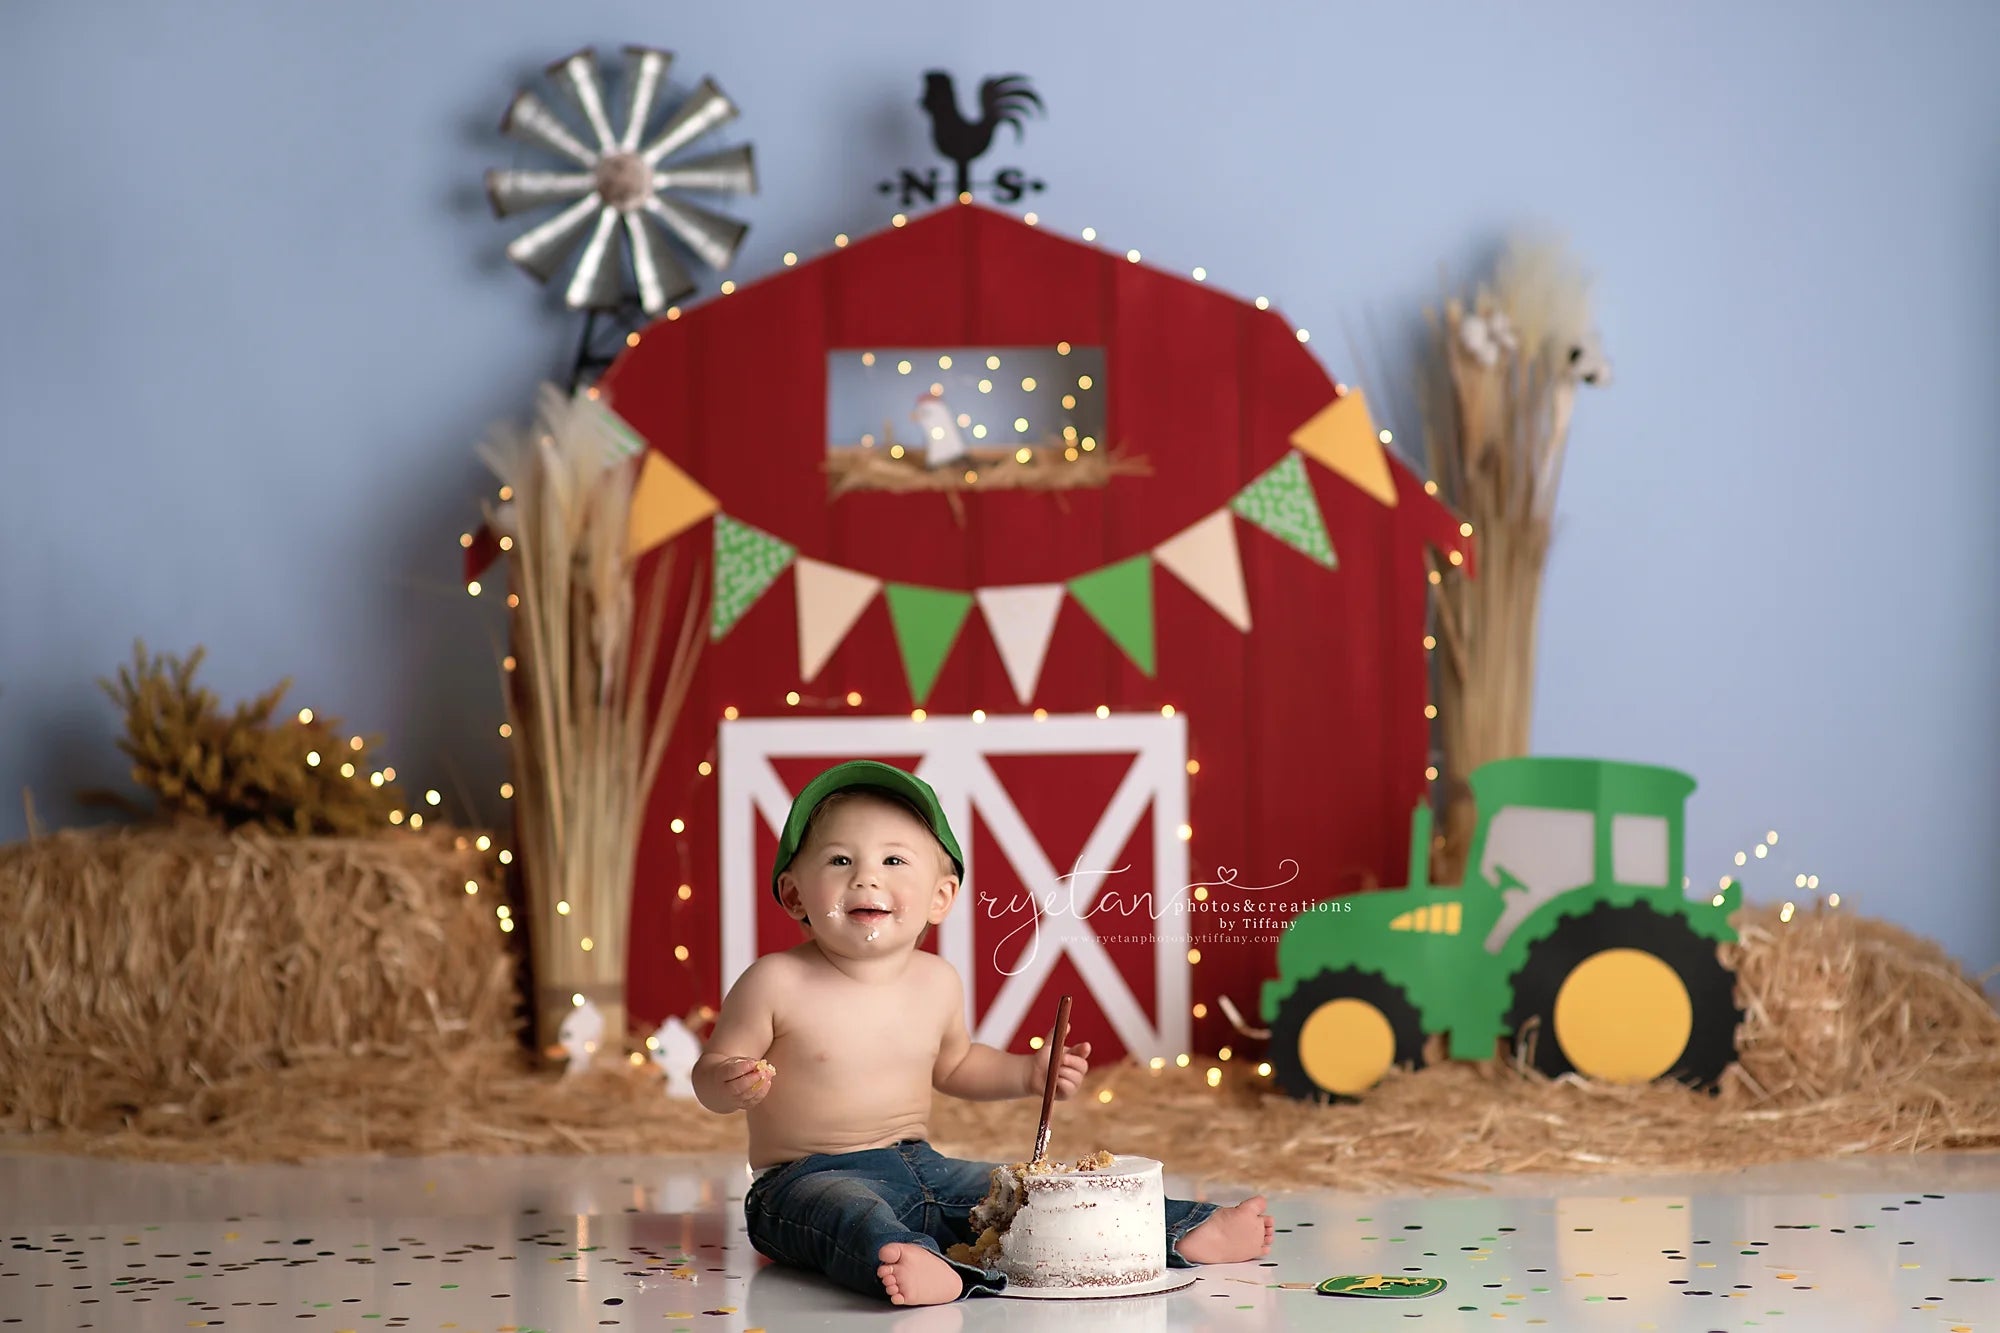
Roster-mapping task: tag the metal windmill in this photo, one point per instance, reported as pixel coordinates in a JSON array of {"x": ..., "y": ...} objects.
[{"x": 626, "y": 183}]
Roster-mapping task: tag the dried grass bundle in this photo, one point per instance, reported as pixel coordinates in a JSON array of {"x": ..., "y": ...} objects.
[
  {"x": 981, "y": 470},
  {"x": 589, "y": 721},
  {"x": 1496, "y": 393},
  {"x": 140, "y": 967}
]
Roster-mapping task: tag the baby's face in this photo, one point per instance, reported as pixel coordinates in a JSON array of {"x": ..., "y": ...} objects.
[{"x": 870, "y": 878}]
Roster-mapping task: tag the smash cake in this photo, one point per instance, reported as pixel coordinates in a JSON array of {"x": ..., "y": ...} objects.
[{"x": 1099, "y": 1221}]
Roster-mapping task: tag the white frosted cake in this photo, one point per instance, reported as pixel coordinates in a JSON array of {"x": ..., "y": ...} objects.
[{"x": 1097, "y": 1222}]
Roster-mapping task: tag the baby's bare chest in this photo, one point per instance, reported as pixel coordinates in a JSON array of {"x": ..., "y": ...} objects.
[{"x": 858, "y": 1029}]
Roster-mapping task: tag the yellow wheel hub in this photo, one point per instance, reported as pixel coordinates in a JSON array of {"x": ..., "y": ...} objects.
[
  {"x": 1623, "y": 1016},
  {"x": 1346, "y": 1046}
]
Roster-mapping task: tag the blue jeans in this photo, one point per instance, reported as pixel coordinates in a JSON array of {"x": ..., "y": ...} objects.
[{"x": 833, "y": 1213}]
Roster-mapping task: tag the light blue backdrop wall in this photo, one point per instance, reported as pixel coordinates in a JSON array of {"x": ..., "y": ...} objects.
[{"x": 253, "y": 317}]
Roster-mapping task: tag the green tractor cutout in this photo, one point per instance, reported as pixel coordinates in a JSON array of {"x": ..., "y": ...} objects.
[{"x": 1571, "y": 934}]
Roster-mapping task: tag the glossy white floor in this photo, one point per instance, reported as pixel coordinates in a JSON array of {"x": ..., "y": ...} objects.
[{"x": 658, "y": 1243}]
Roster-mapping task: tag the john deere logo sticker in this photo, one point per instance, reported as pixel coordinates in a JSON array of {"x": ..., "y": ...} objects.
[{"x": 1375, "y": 1284}]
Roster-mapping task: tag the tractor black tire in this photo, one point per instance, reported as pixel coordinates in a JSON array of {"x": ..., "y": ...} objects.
[
  {"x": 1711, "y": 1042},
  {"x": 1288, "y": 1068}
]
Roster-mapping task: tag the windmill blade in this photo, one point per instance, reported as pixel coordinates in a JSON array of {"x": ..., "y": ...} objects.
[
  {"x": 518, "y": 191},
  {"x": 704, "y": 110},
  {"x": 730, "y": 171},
  {"x": 577, "y": 75},
  {"x": 595, "y": 284},
  {"x": 529, "y": 120},
  {"x": 541, "y": 249},
  {"x": 647, "y": 74},
  {"x": 712, "y": 237},
  {"x": 661, "y": 278}
]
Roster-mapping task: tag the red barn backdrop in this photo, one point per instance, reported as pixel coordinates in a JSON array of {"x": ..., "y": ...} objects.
[{"x": 1304, "y": 741}]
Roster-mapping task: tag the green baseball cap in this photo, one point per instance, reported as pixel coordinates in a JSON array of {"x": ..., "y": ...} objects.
[{"x": 864, "y": 775}]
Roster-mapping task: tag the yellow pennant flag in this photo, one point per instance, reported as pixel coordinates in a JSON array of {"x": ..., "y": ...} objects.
[
  {"x": 665, "y": 503},
  {"x": 1342, "y": 436}
]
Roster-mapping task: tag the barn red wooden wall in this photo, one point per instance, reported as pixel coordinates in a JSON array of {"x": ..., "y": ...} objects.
[{"x": 1309, "y": 731}]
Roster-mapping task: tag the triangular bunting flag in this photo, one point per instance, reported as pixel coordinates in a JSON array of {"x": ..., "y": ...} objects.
[
  {"x": 927, "y": 621},
  {"x": 1342, "y": 436},
  {"x": 1022, "y": 620},
  {"x": 1205, "y": 558},
  {"x": 1282, "y": 503},
  {"x": 1120, "y": 599},
  {"x": 830, "y": 600},
  {"x": 747, "y": 561},
  {"x": 665, "y": 503}
]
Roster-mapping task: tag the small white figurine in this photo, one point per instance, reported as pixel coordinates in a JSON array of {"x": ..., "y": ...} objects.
[
  {"x": 942, "y": 442},
  {"x": 581, "y": 1031},
  {"x": 674, "y": 1049}
]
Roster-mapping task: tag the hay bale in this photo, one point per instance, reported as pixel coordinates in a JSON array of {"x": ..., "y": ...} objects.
[{"x": 140, "y": 966}]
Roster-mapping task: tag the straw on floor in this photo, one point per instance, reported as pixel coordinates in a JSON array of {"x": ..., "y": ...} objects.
[{"x": 390, "y": 1030}]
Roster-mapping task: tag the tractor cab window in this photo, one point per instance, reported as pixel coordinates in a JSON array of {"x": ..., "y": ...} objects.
[
  {"x": 1639, "y": 850},
  {"x": 1545, "y": 851}
]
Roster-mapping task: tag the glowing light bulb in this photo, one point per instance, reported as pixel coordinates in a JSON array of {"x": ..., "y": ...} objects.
[
  {"x": 1041, "y": 715},
  {"x": 1465, "y": 529},
  {"x": 506, "y": 494},
  {"x": 680, "y": 953},
  {"x": 1716, "y": 901},
  {"x": 1456, "y": 557},
  {"x": 979, "y": 715},
  {"x": 1741, "y": 858},
  {"x": 1430, "y": 773},
  {"x": 686, "y": 891},
  {"x": 1166, "y": 710},
  {"x": 944, "y": 363},
  {"x": 312, "y": 758},
  {"x": 918, "y": 715},
  {"x": 1430, "y": 710},
  {"x": 678, "y": 825},
  {"x": 986, "y": 386},
  {"x": 1132, "y": 256},
  {"x": 632, "y": 339},
  {"x": 1186, "y": 831},
  {"x": 506, "y": 791},
  {"x": 704, "y": 768},
  {"x": 1772, "y": 837},
  {"x": 305, "y": 715},
  {"x": 1023, "y": 454},
  {"x": 1062, "y": 349},
  {"x": 507, "y": 663},
  {"x": 506, "y": 857},
  {"x": 1104, "y": 710},
  {"x": 1030, "y": 219},
  {"x": 472, "y": 886},
  {"x": 1199, "y": 1011},
  {"x": 1157, "y": 1062},
  {"x": 1304, "y": 337},
  {"x": 576, "y": 1001},
  {"x": 432, "y": 798},
  {"x": 1090, "y": 233},
  {"x": 840, "y": 241},
  {"x": 1798, "y": 881},
  {"x": 513, "y": 600},
  {"x": 1833, "y": 900},
  {"x": 483, "y": 842},
  {"x": 506, "y": 730},
  {"x": 1194, "y": 955},
  {"x": 1785, "y": 913},
  {"x": 1723, "y": 884},
  {"x": 562, "y": 908},
  {"x": 375, "y": 779},
  {"x": 902, "y": 367},
  {"x": 1193, "y": 767},
  {"x": 1263, "y": 303},
  {"x": 900, "y": 220},
  {"x": 1263, "y": 1070},
  {"x": 347, "y": 770},
  {"x": 1181, "y": 1060},
  {"x": 1436, "y": 578},
  {"x": 792, "y": 697},
  {"x": 729, "y": 714},
  {"x": 1020, "y": 424},
  {"x": 1430, "y": 488},
  {"x": 868, "y": 358},
  {"x": 1214, "y": 1076},
  {"x": 587, "y": 944},
  {"x": 473, "y": 587},
  {"x": 1201, "y": 894},
  {"x": 1084, "y": 382},
  {"x": 1201, "y": 275},
  {"x": 1034, "y": 1043},
  {"x": 507, "y": 924},
  {"x": 1104, "y": 1096},
  {"x": 416, "y": 821},
  {"x": 1762, "y": 851},
  {"x": 395, "y": 816},
  {"x": 1812, "y": 881},
  {"x": 854, "y": 698}
]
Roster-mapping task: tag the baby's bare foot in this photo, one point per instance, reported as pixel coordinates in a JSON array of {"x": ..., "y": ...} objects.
[
  {"x": 913, "y": 1275},
  {"x": 1230, "y": 1235}
]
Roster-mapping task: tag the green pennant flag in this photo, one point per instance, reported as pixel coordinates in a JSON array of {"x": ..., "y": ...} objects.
[
  {"x": 747, "y": 561},
  {"x": 1282, "y": 503},
  {"x": 927, "y": 622},
  {"x": 1120, "y": 599}
]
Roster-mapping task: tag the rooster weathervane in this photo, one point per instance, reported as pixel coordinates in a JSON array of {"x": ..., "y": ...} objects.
[{"x": 1003, "y": 100}]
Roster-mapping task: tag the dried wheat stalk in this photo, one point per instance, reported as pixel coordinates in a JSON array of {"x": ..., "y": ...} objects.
[
  {"x": 589, "y": 719},
  {"x": 1496, "y": 393}
]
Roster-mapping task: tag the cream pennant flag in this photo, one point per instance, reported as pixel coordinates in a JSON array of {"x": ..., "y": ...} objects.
[
  {"x": 1022, "y": 620},
  {"x": 1205, "y": 558},
  {"x": 830, "y": 600}
]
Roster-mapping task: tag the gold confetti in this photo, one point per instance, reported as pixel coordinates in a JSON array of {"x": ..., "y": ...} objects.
[
  {"x": 229, "y": 1235},
  {"x": 1913, "y": 1265},
  {"x": 1788, "y": 1277}
]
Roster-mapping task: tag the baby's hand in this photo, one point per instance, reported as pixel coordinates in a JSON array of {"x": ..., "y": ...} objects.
[
  {"x": 1069, "y": 1077},
  {"x": 747, "y": 1081}
]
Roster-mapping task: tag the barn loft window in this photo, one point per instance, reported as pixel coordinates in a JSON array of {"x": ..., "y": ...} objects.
[{"x": 956, "y": 418}]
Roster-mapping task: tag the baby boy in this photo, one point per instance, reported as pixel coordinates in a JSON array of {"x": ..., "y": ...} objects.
[{"x": 833, "y": 1047}]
